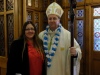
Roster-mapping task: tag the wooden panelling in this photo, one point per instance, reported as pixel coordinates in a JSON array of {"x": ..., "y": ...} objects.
[
  {"x": 3, "y": 62},
  {"x": 41, "y": 21},
  {"x": 87, "y": 40},
  {"x": 96, "y": 67},
  {"x": 96, "y": 55},
  {"x": 87, "y": 1},
  {"x": 3, "y": 65},
  {"x": 64, "y": 19},
  {"x": 24, "y": 10},
  {"x": 3, "y": 71},
  {"x": 95, "y": 1}
]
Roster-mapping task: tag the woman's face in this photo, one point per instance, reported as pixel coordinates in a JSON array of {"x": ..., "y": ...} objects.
[
  {"x": 53, "y": 21},
  {"x": 29, "y": 32}
]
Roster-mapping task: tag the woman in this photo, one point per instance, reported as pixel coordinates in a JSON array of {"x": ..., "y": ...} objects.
[{"x": 26, "y": 56}]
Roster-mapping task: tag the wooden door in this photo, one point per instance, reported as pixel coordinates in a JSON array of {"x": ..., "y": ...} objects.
[
  {"x": 92, "y": 33},
  {"x": 79, "y": 24},
  {"x": 10, "y": 26},
  {"x": 92, "y": 36},
  {"x": 6, "y": 31},
  {"x": 95, "y": 60}
]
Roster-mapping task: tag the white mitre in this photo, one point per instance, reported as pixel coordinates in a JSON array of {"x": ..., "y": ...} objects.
[{"x": 54, "y": 8}]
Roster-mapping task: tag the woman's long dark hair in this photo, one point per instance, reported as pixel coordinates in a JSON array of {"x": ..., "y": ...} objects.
[{"x": 37, "y": 42}]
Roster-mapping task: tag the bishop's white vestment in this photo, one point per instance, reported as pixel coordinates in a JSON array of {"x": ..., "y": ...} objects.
[{"x": 60, "y": 64}]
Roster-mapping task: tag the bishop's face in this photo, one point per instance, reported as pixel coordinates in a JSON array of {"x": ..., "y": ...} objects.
[{"x": 53, "y": 21}]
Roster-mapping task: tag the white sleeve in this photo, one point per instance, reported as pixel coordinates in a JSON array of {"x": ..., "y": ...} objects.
[{"x": 41, "y": 35}]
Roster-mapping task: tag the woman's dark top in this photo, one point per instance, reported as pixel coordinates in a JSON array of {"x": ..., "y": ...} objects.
[{"x": 18, "y": 60}]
